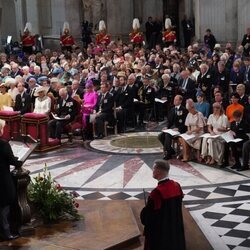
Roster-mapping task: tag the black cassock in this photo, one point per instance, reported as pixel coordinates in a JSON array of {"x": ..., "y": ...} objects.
[{"x": 162, "y": 218}]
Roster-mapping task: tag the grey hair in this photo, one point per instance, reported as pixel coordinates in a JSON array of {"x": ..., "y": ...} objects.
[{"x": 162, "y": 164}]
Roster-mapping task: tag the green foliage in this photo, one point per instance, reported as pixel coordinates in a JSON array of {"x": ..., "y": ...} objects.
[{"x": 51, "y": 200}]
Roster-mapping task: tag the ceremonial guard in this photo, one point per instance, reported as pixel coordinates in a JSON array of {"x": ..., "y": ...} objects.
[
  {"x": 28, "y": 41},
  {"x": 102, "y": 37},
  {"x": 136, "y": 37},
  {"x": 169, "y": 35},
  {"x": 66, "y": 40}
]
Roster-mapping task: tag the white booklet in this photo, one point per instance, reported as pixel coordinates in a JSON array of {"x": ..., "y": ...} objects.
[
  {"x": 7, "y": 108},
  {"x": 228, "y": 137},
  {"x": 171, "y": 132},
  {"x": 187, "y": 137},
  {"x": 159, "y": 100},
  {"x": 208, "y": 135},
  {"x": 57, "y": 117}
]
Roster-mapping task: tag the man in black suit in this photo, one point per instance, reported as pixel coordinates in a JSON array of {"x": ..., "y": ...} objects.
[
  {"x": 66, "y": 112},
  {"x": 246, "y": 42},
  {"x": 31, "y": 90},
  {"x": 124, "y": 102},
  {"x": 240, "y": 89},
  {"x": 76, "y": 90},
  {"x": 23, "y": 100},
  {"x": 245, "y": 156},
  {"x": 147, "y": 99},
  {"x": 209, "y": 39},
  {"x": 246, "y": 70},
  {"x": 205, "y": 81},
  {"x": 222, "y": 78},
  {"x": 186, "y": 86},
  {"x": 104, "y": 110},
  {"x": 238, "y": 128},
  {"x": 176, "y": 121},
  {"x": 7, "y": 187}
]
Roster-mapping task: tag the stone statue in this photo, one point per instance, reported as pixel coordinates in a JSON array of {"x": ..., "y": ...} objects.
[{"x": 94, "y": 11}]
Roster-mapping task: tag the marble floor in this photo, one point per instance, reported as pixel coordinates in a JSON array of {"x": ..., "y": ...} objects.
[{"x": 218, "y": 199}]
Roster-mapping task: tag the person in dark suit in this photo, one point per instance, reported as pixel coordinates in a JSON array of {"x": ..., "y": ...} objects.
[
  {"x": 245, "y": 156},
  {"x": 31, "y": 89},
  {"x": 205, "y": 81},
  {"x": 222, "y": 78},
  {"x": 246, "y": 72},
  {"x": 124, "y": 102},
  {"x": 7, "y": 187},
  {"x": 76, "y": 90},
  {"x": 186, "y": 86},
  {"x": 187, "y": 28},
  {"x": 209, "y": 39},
  {"x": 104, "y": 110},
  {"x": 241, "y": 89},
  {"x": 66, "y": 109},
  {"x": 147, "y": 99},
  {"x": 23, "y": 100},
  {"x": 150, "y": 29},
  {"x": 238, "y": 128},
  {"x": 176, "y": 121},
  {"x": 246, "y": 42}
]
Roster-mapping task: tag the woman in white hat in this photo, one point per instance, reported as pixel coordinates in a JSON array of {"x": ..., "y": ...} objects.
[
  {"x": 42, "y": 102},
  {"x": 13, "y": 91},
  {"x": 5, "y": 98}
]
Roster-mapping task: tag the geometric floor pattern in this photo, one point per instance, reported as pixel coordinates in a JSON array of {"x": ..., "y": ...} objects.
[{"x": 218, "y": 199}]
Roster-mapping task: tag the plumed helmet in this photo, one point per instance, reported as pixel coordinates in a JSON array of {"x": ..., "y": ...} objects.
[
  {"x": 136, "y": 24},
  {"x": 28, "y": 27},
  {"x": 168, "y": 23},
  {"x": 65, "y": 26},
  {"x": 102, "y": 25}
]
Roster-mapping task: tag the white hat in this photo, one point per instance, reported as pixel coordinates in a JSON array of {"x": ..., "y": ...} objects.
[
  {"x": 28, "y": 27},
  {"x": 136, "y": 24},
  {"x": 40, "y": 89},
  {"x": 168, "y": 23},
  {"x": 10, "y": 81},
  {"x": 102, "y": 25},
  {"x": 217, "y": 45},
  {"x": 6, "y": 66},
  {"x": 65, "y": 26}
]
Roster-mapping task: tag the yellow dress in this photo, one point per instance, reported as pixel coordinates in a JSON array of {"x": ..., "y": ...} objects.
[{"x": 5, "y": 100}]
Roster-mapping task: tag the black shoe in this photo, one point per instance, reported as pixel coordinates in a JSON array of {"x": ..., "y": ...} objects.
[
  {"x": 10, "y": 237},
  {"x": 243, "y": 168},
  {"x": 236, "y": 166},
  {"x": 167, "y": 157}
]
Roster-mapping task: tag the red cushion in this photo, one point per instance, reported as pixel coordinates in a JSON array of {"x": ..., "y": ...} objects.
[
  {"x": 35, "y": 115},
  {"x": 8, "y": 113}
]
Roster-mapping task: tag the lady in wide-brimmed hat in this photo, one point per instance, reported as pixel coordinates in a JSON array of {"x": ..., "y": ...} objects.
[
  {"x": 42, "y": 102},
  {"x": 5, "y": 98}
]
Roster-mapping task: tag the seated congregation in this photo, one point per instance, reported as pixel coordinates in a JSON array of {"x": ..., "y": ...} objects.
[{"x": 201, "y": 95}]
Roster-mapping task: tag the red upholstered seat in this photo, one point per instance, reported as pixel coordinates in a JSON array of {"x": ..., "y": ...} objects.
[
  {"x": 9, "y": 113},
  {"x": 12, "y": 127},
  {"x": 35, "y": 116}
]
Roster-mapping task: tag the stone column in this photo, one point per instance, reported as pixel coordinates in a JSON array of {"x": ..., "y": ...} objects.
[
  {"x": 243, "y": 23},
  {"x": 32, "y": 15},
  {"x": 19, "y": 17},
  {"x": 120, "y": 17}
]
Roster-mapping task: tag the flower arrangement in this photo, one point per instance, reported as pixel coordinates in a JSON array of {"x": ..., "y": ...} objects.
[{"x": 51, "y": 200}]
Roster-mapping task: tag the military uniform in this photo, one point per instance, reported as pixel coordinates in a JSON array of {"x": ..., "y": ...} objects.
[
  {"x": 28, "y": 42},
  {"x": 67, "y": 41},
  {"x": 102, "y": 38},
  {"x": 64, "y": 108}
]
